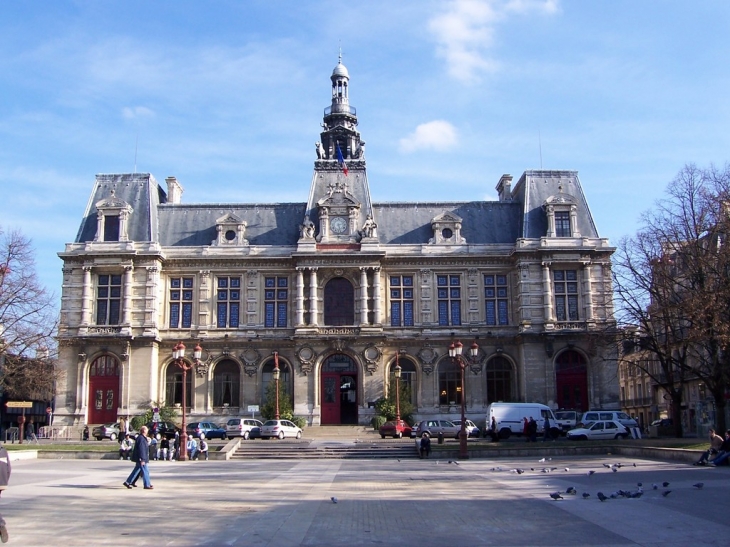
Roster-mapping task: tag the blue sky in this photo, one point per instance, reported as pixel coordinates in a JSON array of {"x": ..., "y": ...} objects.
[{"x": 228, "y": 97}]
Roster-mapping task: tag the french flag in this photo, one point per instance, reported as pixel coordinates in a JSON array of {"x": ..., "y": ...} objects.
[{"x": 341, "y": 160}]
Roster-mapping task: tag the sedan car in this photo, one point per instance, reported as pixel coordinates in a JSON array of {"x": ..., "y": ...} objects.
[
  {"x": 432, "y": 428},
  {"x": 471, "y": 428},
  {"x": 280, "y": 429},
  {"x": 106, "y": 431},
  {"x": 248, "y": 428},
  {"x": 395, "y": 429},
  {"x": 206, "y": 430},
  {"x": 158, "y": 429},
  {"x": 608, "y": 429}
]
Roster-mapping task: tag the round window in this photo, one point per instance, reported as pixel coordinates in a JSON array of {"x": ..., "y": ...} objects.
[
  {"x": 230, "y": 235},
  {"x": 447, "y": 233}
]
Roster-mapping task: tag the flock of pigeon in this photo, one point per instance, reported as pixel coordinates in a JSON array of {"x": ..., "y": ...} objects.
[{"x": 571, "y": 490}]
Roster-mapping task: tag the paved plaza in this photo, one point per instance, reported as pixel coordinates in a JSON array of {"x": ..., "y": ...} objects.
[{"x": 420, "y": 502}]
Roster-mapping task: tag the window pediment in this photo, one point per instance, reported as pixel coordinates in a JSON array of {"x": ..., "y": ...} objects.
[
  {"x": 446, "y": 229},
  {"x": 230, "y": 231}
]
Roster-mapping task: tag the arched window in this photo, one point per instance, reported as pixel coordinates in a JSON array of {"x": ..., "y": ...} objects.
[
  {"x": 267, "y": 376},
  {"x": 226, "y": 384},
  {"x": 449, "y": 383},
  {"x": 173, "y": 386},
  {"x": 408, "y": 379},
  {"x": 499, "y": 380},
  {"x": 339, "y": 302}
]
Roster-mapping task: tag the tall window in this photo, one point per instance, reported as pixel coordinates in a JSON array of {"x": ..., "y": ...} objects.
[
  {"x": 108, "y": 299},
  {"x": 401, "y": 300},
  {"x": 181, "y": 302},
  {"x": 407, "y": 378},
  {"x": 111, "y": 227},
  {"x": 226, "y": 382},
  {"x": 562, "y": 224},
  {"x": 449, "y": 299},
  {"x": 566, "y": 294},
  {"x": 229, "y": 301},
  {"x": 449, "y": 383},
  {"x": 267, "y": 376},
  {"x": 276, "y": 297},
  {"x": 173, "y": 386},
  {"x": 495, "y": 299},
  {"x": 499, "y": 380}
]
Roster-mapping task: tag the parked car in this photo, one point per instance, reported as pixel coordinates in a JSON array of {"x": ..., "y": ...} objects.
[
  {"x": 471, "y": 428},
  {"x": 206, "y": 430},
  {"x": 244, "y": 427},
  {"x": 395, "y": 429},
  {"x": 106, "y": 431},
  {"x": 280, "y": 429},
  {"x": 433, "y": 427},
  {"x": 620, "y": 417},
  {"x": 567, "y": 419},
  {"x": 663, "y": 422},
  {"x": 158, "y": 429},
  {"x": 602, "y": 429}
]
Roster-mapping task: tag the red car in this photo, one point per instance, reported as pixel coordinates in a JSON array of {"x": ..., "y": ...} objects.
[{"x": 395, "y": 429}]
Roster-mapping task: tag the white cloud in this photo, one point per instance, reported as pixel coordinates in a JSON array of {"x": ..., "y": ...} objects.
[
  {"x": 136, "y": 112},
  {"x": 465, "y": 32},
  {"x": 437, "y": 135}
]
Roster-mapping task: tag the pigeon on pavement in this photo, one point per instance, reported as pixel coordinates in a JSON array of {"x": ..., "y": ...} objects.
[
  {"x": 665, "y": 484},
  {"x": 607, "y": 466},
  {"x": 698, "y": 485},
  {"x": 601, "y": 496},
  {"x": 586, "y": 495},
  {"x": 655, "y": 486},
  {"x": 666, "y": 493},
  {"x": 556, "y": 496},
  {"x": 334, "y": 499},
  {"x": 591, "y": 472},
  {"x": 571, "y": 490}
]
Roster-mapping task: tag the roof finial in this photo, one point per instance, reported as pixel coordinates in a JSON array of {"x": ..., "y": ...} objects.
[{"x": 340, "y": 57}]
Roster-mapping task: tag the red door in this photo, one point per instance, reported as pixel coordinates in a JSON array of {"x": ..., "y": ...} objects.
[
  {"x": 330, "y": 398},
  {"x": 103, "y": 390},
  {"x": 571, "y": 379}
]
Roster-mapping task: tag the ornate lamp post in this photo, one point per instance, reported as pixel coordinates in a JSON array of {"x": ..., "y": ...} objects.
[
  {"x": 277, "y": 375},
  {"x": 397, "y": 373},
  {"x": 455, "y": 354},
  {"x": 178, "y": 355}
]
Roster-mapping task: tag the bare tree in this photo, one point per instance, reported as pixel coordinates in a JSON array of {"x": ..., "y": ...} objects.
[
  {"x": 672, "y": 282},
  {"x": 28, "y": 323}
]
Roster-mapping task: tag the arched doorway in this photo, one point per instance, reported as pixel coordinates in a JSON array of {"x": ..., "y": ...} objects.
[
  {"x": 339, "y": 302},
  {"x": 339, "y": 390},
  {"x": 571, "y": 380},
  {"x": 103, "y": 390},
  {"x": 499, "y": 380}
]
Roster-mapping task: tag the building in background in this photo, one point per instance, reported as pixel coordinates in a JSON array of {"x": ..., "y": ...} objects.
[{"x": 339, "y": 286}]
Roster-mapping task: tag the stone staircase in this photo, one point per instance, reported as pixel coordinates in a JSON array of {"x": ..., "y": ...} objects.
[{"x": 329, "y": 442}]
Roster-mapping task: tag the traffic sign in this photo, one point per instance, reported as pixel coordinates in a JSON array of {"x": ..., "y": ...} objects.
[{"x": 19, "y": 404}]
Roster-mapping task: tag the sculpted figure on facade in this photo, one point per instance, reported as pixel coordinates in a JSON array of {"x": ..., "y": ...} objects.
[
  {"x": 320, "y": 151},
  {"x": 306, "y": 228},
  {"x": 369, "y": 229}
]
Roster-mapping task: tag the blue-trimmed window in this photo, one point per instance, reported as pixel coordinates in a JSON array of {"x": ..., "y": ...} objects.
[
  {"x": 401, "y": 300},
  {"x": 228, "y": 302},
  {"x": 108, "y": 299},
  {"x": 562, "y": 224},
  {"x": 448, "y": 289},
  {"x": 276, "y": 300},
  {"x": 181, "y": 302},
  {"x": 496, "y": 301},
  {"x": 565, "y": 283}
]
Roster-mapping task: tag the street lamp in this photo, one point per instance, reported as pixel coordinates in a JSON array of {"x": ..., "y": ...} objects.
[
  {"x": 277, "y": 374},
  {"x": 397, "y": 373},
  {"x": 455, "y": 354},
  {"x": 178, "y": 356}
]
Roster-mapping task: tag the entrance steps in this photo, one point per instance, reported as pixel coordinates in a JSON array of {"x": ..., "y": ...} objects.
[{"x": 275, "y": 449}]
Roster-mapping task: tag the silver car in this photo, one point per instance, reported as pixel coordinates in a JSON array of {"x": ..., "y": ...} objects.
[
  {"x": 280, "y": 429},
  {"x": 433, "y": 427},
  {"x": 241, "y": 427}
]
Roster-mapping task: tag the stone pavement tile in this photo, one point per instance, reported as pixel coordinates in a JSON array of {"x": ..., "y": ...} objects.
[{"x": 425, "y": 503}]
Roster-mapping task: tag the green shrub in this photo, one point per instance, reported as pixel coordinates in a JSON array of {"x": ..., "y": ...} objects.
[
  {"x": 167, "y": 414},
  {"x": 268, "y": 410},
  {"x": 377, "y": 421},
  {"x": 299, "y": 421}
]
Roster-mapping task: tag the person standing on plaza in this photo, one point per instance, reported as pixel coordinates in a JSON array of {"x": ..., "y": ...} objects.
[
  {"x": 532, "y": 430},
  {"x": 141, "y": 459},
  {"x": 546, "y": 432},
  {"x": 4, "y": 479},
  {"x": 525, "y": 424},
  {"x": 123, "y": 428},
  {"x": 165, "y": 448},
  {"x": 176, "y": 447}
]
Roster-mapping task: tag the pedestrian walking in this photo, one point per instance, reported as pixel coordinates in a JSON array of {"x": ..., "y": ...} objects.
[
  {"x": 4, "y": 479},
  {"x": 165, "y": 448},
  {"x": 141, "y": 459}
]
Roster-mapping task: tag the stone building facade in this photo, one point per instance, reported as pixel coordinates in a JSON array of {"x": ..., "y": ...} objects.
[{"x": 340, "y": 287}]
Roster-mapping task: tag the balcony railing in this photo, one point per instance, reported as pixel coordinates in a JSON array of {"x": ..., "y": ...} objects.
[{"x": 638, "y": 401}]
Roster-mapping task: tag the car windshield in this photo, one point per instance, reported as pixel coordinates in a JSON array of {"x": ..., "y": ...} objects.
[{"x": 588, "y": 425}]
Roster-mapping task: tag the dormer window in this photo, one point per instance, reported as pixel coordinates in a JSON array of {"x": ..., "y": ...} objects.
[
  {"x": 231, "y": 231},
  {"x": 112, "y": 215},
  {"x": 562, "y": 216},
  {"x": 446, "y": 230},
  {"x": 562, "y": 224}
]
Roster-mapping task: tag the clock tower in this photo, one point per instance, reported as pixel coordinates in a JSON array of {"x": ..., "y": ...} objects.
[{"x": 339, "y": 202}]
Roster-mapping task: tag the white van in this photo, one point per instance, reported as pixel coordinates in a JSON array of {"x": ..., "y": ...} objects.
[{"x": 510, "y": 418}]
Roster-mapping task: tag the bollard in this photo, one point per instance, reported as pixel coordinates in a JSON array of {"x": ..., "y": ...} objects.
[{"x": 441, "y": 437}]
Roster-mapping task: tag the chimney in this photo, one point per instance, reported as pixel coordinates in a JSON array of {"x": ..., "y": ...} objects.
[
  {"x": 174, "y": 190},
  {"x": 504, "y": 188}
]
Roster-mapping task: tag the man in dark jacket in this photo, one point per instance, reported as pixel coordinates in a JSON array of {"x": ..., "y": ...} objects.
[{"x": 141, "y": 459}]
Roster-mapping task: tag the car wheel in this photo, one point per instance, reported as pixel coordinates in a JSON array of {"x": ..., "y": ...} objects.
[
  {"x": 246, "y": 435},
  {"x": 299, "y": 434},
  {"x": 382, "y": 436},
  {"x": 202, "y": 435},
  {"x": 619, "y": 436},
  {"x": 281, "y": 435},
  {"x": 99, "y": 438},
  {"x": 224, "y": 437},
  {"x": 505, "y": 433},
  {"x": 113, "y": 437}
]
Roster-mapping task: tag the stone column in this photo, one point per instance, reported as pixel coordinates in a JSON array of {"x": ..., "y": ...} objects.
[
  {"x": 588, "y": 291},
  {"x": 300, "y": 297},
  {"x": 313, "y": 307},
  {"x": 548, "y": 292},
  {"x": 86, "y": 298},
  {"x": 377, "y": 313},
  {"x": 363, "y": 296},
  {"x": 127, "y": 306}
]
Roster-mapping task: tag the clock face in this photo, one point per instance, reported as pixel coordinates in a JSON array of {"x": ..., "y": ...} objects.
[{"x": 338, "y": 225}]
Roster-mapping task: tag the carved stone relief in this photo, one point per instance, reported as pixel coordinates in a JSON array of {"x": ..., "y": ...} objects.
[
  {"x": 306, "y": 356},
  {"x": 250, "y": 357},
  {"x": 372, "y": 355}
]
